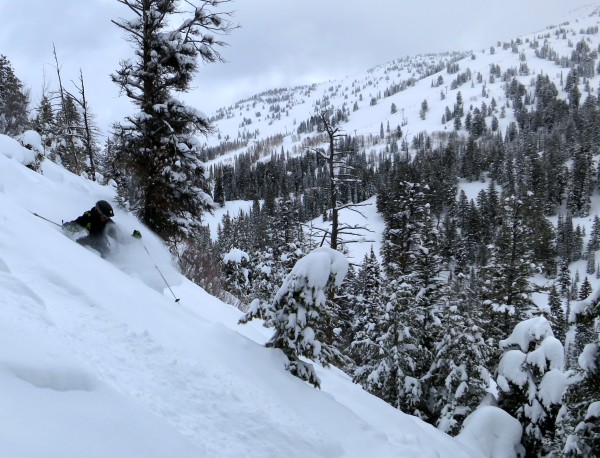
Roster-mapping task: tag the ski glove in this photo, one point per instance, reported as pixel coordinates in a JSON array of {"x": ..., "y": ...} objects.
[
  {"x": 137, "y": 234},
  {"x": 71, "y": 226}
]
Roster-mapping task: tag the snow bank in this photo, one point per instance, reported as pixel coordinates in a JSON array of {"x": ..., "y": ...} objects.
[
  {"x": 319, "y": 264},
  {"x": 30, "y": 139},
  {"x": 552, "y": 387},
  {"x": 550, "y": 350},
  {"x": 511, "y": 369},
  {"x": 587, "y": 358},
  {"x": 55, "y": 406},
  {"x": 492, "y": 432},
  {"x": 12, "y": 149},
  {"x": 593, "y": 411},
  {"x": 236, "y": 256},
  {"x": 532, "y": 330}
]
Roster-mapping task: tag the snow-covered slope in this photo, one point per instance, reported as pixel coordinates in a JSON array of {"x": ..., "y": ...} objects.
[
  {"x": 97, "y": 359},
  {"x": 406, "y": 82}
]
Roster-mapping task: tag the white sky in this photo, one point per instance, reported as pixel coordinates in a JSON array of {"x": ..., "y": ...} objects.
[{"x": 279, "y": 43}]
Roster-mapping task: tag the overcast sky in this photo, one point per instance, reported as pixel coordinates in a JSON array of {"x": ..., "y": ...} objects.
[{"x": 279, "y": 43}]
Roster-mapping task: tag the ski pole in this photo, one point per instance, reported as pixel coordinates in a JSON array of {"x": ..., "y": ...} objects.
[
  {"x": 46, "y": 219},
  {"x": 162, "y": 276}
]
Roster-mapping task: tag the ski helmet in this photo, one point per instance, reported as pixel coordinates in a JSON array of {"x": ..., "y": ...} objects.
[{"x": 104, "y": 208}]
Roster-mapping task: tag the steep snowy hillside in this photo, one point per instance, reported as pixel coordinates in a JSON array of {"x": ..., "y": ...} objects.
[
  {"x": 98, "y": 360},
  {"x": 392, "y": 95}
]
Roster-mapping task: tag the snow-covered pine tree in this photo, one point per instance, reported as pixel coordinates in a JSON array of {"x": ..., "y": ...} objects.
[
  {"x": 532, "y": 381},
  {"x": 594, "y": 241},
  {"x": 582, "y": 414},
  {"x": 557, "y": 314},
  {"x": 585, "y": 289},
  {"x": 14, "y": 101},
  {"x": 458, "y": 377},
  {"x": 161, "y": 150},
  {"x": 301, "y": 312},
  {"x": 423, "y": 315},
  {"x": 44, "y": 122},
  {"x": 506, "y": 279},
  {"x": 68, "y": 146},
  {"x": 591, "y": 262},
  {"x": 426, "y": 267},
  {"x": 389, "y": 351},
  {"x": 410, "y": 328},
  {"x": 568, "y": 242},
  {"x": 581, "y": 181},
  {"x": 402, "y": 205},
  {"x": 574, "y": 286},
  {"x": 264, "y": 267},
  {"x": 265, "y": 275},
  {"x": 344, "y": 318},
  {"x": 236, "y": 275},
  {"x": 564, "y": 278},
  {"x": 367, "y": 314}
]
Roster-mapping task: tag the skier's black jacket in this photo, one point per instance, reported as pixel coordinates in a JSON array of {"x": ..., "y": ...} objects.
[{"x": 93, "y": 222}]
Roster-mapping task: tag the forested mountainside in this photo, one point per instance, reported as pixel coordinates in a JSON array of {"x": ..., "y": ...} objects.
[
  {"x": 486, "y": 297},
  {"x": 458, "y": 273}
]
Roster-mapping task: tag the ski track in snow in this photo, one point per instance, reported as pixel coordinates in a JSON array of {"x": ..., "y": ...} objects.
[
  {"x": 188, "y": 391},
  {"x": 199, "y": 398}
]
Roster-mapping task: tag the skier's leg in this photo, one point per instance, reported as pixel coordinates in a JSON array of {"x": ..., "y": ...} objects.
[{"x": 98, "y": 243}]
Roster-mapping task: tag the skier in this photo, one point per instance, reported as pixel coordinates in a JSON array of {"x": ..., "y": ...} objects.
[{"x": 99, "y": 226}]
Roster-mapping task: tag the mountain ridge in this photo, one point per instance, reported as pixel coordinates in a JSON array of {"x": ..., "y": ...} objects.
[{"x": 365, "y": 98}]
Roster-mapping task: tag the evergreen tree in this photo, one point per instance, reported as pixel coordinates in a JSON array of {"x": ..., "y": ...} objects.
[
  {"x": 14, "y": 101},
  {"x": 582, "y": 413},
  {"x": 391, "y": 353},
  {"x": 457, "y": 123},
  {"x": 458, "y": 376},
  {"x": 69, "y": 147},
  {"x": 581, "y": 182},
  {"x": 574, "y": 287},
  {"x": 368, "y": 312},
  {"x": 507, "y": 285},
  {"x": 219, "y": 193},
  {"x": 424, "y": 109},
  {"x": 591, "y": 262},
  {"x": 585, "y": 290},
  {"x": 44, "y": 122},
  {"x": 564, "y": 279},
  {"x": 161, "y": 150},
  {"x": 594, "y": 241},
  {"x": 407, "y": 332},
  {"x": 237, "y": 274},
  {"x": 557, "y": 314},
  {"x": 301, "y": 313},
  {"x": 403, "y": 209},
  {"x": 531, "y": 381}
]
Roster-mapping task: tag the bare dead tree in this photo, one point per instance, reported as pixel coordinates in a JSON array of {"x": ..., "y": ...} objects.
[
  {"x": 340, "y": 172},
  {"x": 66, "y": 128},
  {"x": 89, "y": 132}
]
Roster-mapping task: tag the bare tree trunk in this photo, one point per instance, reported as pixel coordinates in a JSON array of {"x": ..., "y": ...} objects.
[
  {"x": 67, "y": 132},
  {"x": 338, "y": 174},
  {"x": 333, "y": 191},
  {"x": 88, "y": 136}
]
